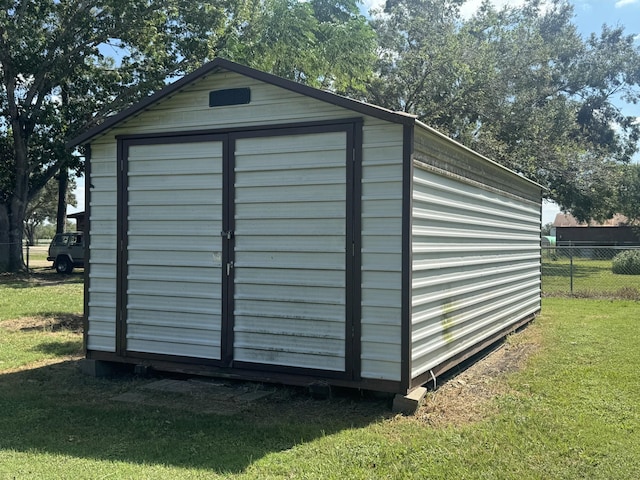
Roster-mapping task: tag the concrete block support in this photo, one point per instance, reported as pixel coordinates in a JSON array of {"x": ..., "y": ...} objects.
[
  {"x": 97, "y": 368},
  {"x": 409, "y": 404}
]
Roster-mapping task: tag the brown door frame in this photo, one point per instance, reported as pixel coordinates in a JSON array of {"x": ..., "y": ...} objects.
[{"x": 353, "y": 161}]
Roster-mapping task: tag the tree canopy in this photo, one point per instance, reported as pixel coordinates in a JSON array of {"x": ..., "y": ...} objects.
[
  {"x": 43, "y": 208},
  {"x": 629, "y": 194},
  {"x": 520, "y": 85},
  {"x": 66, "y": 65}
]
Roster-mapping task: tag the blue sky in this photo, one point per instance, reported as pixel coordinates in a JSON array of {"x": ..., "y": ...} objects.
[{"x": 590, "y": 15}]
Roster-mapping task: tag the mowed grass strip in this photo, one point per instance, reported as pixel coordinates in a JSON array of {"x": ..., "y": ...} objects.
[
  {"x": 570, "y": 413},
  {"x": 40, "y": 317},
  {"x": 45, "y": 293},
  {"x": 591, "y": 278}
]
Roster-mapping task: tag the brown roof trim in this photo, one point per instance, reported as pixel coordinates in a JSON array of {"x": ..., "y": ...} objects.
[{"x": 224, "y": 64}]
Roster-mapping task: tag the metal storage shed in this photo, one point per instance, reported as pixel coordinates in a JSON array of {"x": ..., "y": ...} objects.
[{"x": 248, "y": 226}]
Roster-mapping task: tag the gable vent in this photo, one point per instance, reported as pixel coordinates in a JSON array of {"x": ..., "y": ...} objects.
[{"x": 230, "y": 96}]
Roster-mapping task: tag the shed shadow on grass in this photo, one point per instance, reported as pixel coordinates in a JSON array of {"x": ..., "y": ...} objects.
[
  {"x": 60, "y": 349},
  {"x": 57, "y": 410}
]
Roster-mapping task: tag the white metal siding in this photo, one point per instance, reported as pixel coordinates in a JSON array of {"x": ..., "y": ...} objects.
[
  {"x": 381, "y": 251},
  {"x": 189, "y": 109},
  {"x": 102, "y": 253},
  {"x": 476, "y": 265},
  {"x": 290, "y": 194},
  {"x": 174, "y": 249}
]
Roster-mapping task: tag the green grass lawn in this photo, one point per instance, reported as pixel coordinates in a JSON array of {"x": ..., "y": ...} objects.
[
  {"x": 39, "y": 317},
  {"x": 570, "y": 413},
  {"x": 590, "y": 278}
]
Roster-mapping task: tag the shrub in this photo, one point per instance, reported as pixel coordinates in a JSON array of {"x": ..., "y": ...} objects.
[{"x": 627, "y": 263}]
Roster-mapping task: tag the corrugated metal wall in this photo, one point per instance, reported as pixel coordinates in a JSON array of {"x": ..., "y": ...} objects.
[
  {"x": 174, "y": 249},
  {"x": 476, "y": 262},
  {"x": 381, "y": 251},
  {"x": 101, "y": 334},
  {"x": 381, "y": 204},
  {"x": 290, "y": 248}
]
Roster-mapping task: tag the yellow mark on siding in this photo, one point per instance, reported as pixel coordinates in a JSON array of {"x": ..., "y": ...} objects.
[{"x": 448, "y": 321}]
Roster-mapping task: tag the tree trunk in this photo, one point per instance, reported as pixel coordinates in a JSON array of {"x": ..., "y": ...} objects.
[
  {"x": 61, "y": 217},
  {"x": 11, "y": 235},
  {"x": 4, "y": 238},
  {"x": 16, "y": 205},
  {"x": 16, "y": 232},
  {"x": 14, "y": 208},
  {"x": 30, "y": 233}
]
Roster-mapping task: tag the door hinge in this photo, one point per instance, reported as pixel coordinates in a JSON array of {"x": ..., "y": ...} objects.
[{"x": 227, "y": 233}]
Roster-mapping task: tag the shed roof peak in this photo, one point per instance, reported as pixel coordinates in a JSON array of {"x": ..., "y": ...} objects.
[{"x": 222, "y": 64}]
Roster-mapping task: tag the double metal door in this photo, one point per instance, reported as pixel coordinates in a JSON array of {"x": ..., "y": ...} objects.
[{"x": 237, "y": 248}]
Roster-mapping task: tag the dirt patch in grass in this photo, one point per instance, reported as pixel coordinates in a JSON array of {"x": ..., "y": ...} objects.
[
  {"x": 467, "y": 396},
  {"x": 60, "y": 321},
  {"x": 264, "y": 404},
  {"x": 464, "y": 397}
]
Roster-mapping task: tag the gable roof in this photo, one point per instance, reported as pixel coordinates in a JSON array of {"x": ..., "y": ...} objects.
[{"x": 219, "y": 64}]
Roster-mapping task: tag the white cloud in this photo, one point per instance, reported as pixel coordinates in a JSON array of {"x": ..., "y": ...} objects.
[
  {"x": 624, "y": 3},
  {"x": 583, "y": 5},
  {"x": 549, "y": 211},
  {"x": 368, "y": 5}
]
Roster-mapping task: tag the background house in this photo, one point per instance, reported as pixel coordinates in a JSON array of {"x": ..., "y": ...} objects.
[
  {"x": 79, "y": 217},
  {"x": 613, "y": 232}
]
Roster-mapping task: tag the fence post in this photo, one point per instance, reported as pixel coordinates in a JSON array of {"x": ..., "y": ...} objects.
[{"x": 571, "y": 270}]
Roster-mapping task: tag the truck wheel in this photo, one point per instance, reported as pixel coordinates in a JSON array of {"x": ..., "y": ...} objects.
[{"x": 64, "y": 265}]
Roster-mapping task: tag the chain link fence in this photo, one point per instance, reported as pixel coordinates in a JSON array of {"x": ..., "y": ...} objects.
[
  {"x": 587, "y": 271},
  {"x": 33, "y": 255},
  {"x": 576, "y": 270}
]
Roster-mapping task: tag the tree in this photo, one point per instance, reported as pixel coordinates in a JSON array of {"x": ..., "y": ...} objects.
[
  {"x": 43, "y": 207},
  {"x": 322, "y": 43},
  {"x": 420, "y": 67},
  {"x": 46, "y": 49},
  {"x": 629, "y": 194},
  {"x": 66, "y": 65},
  {"x": 521, "y": 86}
]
